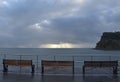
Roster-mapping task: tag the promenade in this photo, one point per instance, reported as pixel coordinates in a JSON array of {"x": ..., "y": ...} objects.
[
  {"x": 64, "y": 75},
  {"x": 59, "y": 74}
]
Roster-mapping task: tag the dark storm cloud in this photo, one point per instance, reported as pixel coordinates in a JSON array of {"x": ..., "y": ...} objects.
[
  {"x": 77, "y": 28},
  {"x": 36, "y": 22}
]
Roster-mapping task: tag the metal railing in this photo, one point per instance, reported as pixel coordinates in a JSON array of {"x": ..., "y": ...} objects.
[{"x": 79, "y": 60}]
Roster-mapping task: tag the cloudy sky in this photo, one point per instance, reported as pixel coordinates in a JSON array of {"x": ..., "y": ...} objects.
[{"x": 56, "y": 23}]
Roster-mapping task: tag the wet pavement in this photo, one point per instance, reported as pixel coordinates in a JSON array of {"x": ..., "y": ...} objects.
[
  {"x": 15, "y": 77},
  {"x": 61, "y": 75}
]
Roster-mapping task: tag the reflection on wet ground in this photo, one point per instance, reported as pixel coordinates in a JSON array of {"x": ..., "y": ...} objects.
[
  {"x": 62, "y": 75},
  {"x": 15, "y": 77}
]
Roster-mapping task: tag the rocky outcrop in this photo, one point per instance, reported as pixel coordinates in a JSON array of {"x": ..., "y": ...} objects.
[{"x": 109, "y": 41}]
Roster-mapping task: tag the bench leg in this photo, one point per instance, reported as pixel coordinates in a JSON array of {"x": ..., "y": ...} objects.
[
  {"x": 5, "y": 68},
  {"x": 83, "y": 69},
  {"x": 33, "y": 68},
  {"x": 42, "y": 70},
  {"x": 73, "y": 70},
  {"x": 115, "y": 69}
]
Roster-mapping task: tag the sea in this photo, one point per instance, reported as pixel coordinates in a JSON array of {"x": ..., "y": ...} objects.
[
  {"x": 59, "y": 51},
  {"x": 79, "y": 55},
  {"x": 53, "y": 53}
]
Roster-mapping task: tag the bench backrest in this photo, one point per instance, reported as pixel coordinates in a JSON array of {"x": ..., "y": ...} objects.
[
  {"x": 24, "y": 62},
  {"x": 101, "y": 63},
  {"x": 14, "y": 62},
  {"x": 57, "y": 63},
  {"x": 10, "y": 62}
]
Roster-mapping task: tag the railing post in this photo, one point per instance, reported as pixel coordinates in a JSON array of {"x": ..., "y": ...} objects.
[
  {"x": 20, "y": 57},
  {"x": 73, "y": 65},
  {"x": 4, "y": 56},
  {"x": 42, "y": 67},
  {"x": 109, "y": 58},
  {"x": 37, "y": 61},
  {"x": 91, "y": 58},
  {"x": 20, "y": 60},
  {"x": 73, "y": 58},
  {"x": 54, "y": 58}
]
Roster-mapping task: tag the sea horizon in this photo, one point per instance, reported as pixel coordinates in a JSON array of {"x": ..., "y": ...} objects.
[{"x": 57, "y": 51}]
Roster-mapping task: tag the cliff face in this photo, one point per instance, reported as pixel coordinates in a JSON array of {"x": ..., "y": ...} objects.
[{"x": 109, "y": 41}]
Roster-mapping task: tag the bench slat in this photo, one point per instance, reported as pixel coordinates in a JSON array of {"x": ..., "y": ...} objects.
[
  {"x": 57, "y": 63},
  {"x": 24, "y": 62},
  {"x": 113, "y": 64},
  {"x": 101, "y": 63},
  {"x": 10, "y": 62},
  {"x": 13, "y": 62}
]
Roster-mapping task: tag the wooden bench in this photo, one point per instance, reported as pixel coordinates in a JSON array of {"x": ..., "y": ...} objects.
[
  {"x": 113, "y": 64},
  {"x": 14, "y": 62},
  {"x": 46, "y": 63}
]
